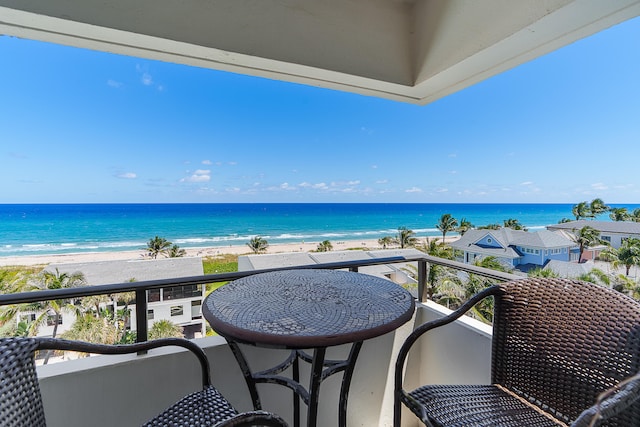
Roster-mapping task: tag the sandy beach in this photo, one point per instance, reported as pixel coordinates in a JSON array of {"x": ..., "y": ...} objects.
[{"x": 201, "y": 252}]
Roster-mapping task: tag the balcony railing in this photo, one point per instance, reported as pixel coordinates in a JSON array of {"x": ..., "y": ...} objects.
[{"x": 141, "y": 288}]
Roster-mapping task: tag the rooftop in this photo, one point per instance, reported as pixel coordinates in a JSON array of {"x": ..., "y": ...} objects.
[{"x": 414, "y": 51}]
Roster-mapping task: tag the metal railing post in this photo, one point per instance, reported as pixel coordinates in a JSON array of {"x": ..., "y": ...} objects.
[
  {"x": 141, "y": 315},
  {"x": 422, "y": 279}
]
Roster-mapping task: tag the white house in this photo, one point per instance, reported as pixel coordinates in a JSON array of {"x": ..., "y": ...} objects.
[
  {"x": 179, "y": 304},
  {"x": 612, "y": 232}
]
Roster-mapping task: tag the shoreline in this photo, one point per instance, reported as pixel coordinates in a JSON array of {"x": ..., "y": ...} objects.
[{"x": 207, "y": 251}]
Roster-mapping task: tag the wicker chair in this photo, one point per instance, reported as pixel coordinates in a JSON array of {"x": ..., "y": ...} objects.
[
  {"x": 558, "y": 344},
  {"x": 21, "y": 403}
]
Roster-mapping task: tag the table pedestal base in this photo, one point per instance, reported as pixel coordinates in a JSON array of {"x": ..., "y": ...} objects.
[{"x": 320, "y": 370}]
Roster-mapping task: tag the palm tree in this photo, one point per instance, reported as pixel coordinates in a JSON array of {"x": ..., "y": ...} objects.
[
  {"x": 93, "y": 329},
  {"x": 258, "y": 244},
  {"x": 619, "y": 214},
  {"x": 490, "y": 262},
  {"x": 156, "y": 246},
  {"x": 406, "y": 238},
  {"x": 596, "y": 276},
  {"x": 50, "y": 311},
  {"x": 464, "y": 226},
  {"x": 436, "y": 272},
  {"x": 514, "y": 224},
  {"x": 597, "y": 207},
  {"x": 324, "y": 246},
  {"x": 385, "y": 241},
  {"x": 539, "y": 272},
  {"x": 165, "y": 329},
  {"x": 490, "y": 227},
  {"x": 445, "y": 224},
  {"x": 585, "y": 237},
  {"x": 628, "y": 254},
  {"x": 176, "y": 251},
  {"x": 635, "y": 215},
  {"x": 581, "y": 210}
]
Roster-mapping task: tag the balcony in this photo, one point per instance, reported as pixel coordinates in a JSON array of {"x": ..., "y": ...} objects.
[{"x": 130, "y": 389}]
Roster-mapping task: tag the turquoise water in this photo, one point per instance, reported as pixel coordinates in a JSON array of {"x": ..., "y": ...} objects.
[{"x": 75, "y": 228}]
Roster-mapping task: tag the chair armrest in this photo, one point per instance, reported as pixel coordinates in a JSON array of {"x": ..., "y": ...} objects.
[
  {"x": 254, "y": 418},
  {"x": 427, "y": 326},
  {"x": 85, "y": 347},
  {"x": 611, "y": 403}
]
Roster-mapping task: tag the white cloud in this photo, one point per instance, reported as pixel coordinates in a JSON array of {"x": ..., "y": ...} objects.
[
  {"x": 320, "y": 186},
  {"x": 374, "y": 166},
  {"x": 353, "y": 182},
  {"x": 114, "y": 84},
  {"x": 201, "y": 175},
  {"x": 146, "y": 79},
  {"x": 413, "y": 190},
  {"x": 442, "y": 190},
  {"x": 527, "y": 183},
  {"x": 127, "y": 175},
  {"x": 599, "y": 186},
  {"x": 207, "y": 162},
  {"x": 382, "y": 181}
]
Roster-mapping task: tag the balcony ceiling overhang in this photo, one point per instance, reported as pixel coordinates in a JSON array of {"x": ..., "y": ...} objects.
[{"x": 414, "y": 51}]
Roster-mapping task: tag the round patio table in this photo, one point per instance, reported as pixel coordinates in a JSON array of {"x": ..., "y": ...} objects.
[{"x": 306, "y": 309}]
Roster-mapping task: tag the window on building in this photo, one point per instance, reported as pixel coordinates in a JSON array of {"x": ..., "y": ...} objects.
[
  {"x": 153, "y": 295},
  {"x": 489, "y": 240},
  {"x": 27, "y": 318},
  {"x": 606, "y": 238},
  {"x": 51, "y": 320},
  {"x": 195, "y": 309},
  {"x": 149, "y": 314},
  {"x": 176, "y": 310},
  {"x": 177, "y": 292}
]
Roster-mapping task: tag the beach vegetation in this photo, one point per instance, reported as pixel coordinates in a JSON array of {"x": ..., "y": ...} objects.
[
  {"x": 176, "y": 251},
  {"x": 490, "y": 262},
  {"x": 596, "y": 276},
  {"x": 581, "y": 211},
  {"x": 224, "y": 263},
  {"x": 445, "y": 224},
  {"x": 165, "y": 329},
  {"x": 494, "y": 226},
  {"x": 95, "y": 329},
  {"x": 585, "y": 237},
  {"x": 464, "y": 226},
  {"x": 258, "y": 245},
  {"x": 406, "y": 238},
  {"x": 627, "y": 255},
  {"x": 619, "y": 214},
  {"x": 598, "y": 207},
  {"x": 386, "y": 241},
  {"x": 157, "y": 246},
  {"x": 49, "y": 312},
  {"x": 540, "y": 272},
  {"x": 514, "y": 224},
  {"x": 324, "y": 246},
  {"x": 438, "y": 249},
  {"x": 591, "y": 210}
]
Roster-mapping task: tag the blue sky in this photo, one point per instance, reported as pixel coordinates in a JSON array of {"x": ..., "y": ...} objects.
[{"x": 78, "y": 126}]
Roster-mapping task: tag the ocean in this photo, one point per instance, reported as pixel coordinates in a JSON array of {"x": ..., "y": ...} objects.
[{"x": 39, "y": 229}]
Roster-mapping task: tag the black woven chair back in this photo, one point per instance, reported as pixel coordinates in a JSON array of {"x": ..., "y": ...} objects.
[
  {"x": 558, "y": 343},
  {"x": 21, "y": 403}
]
